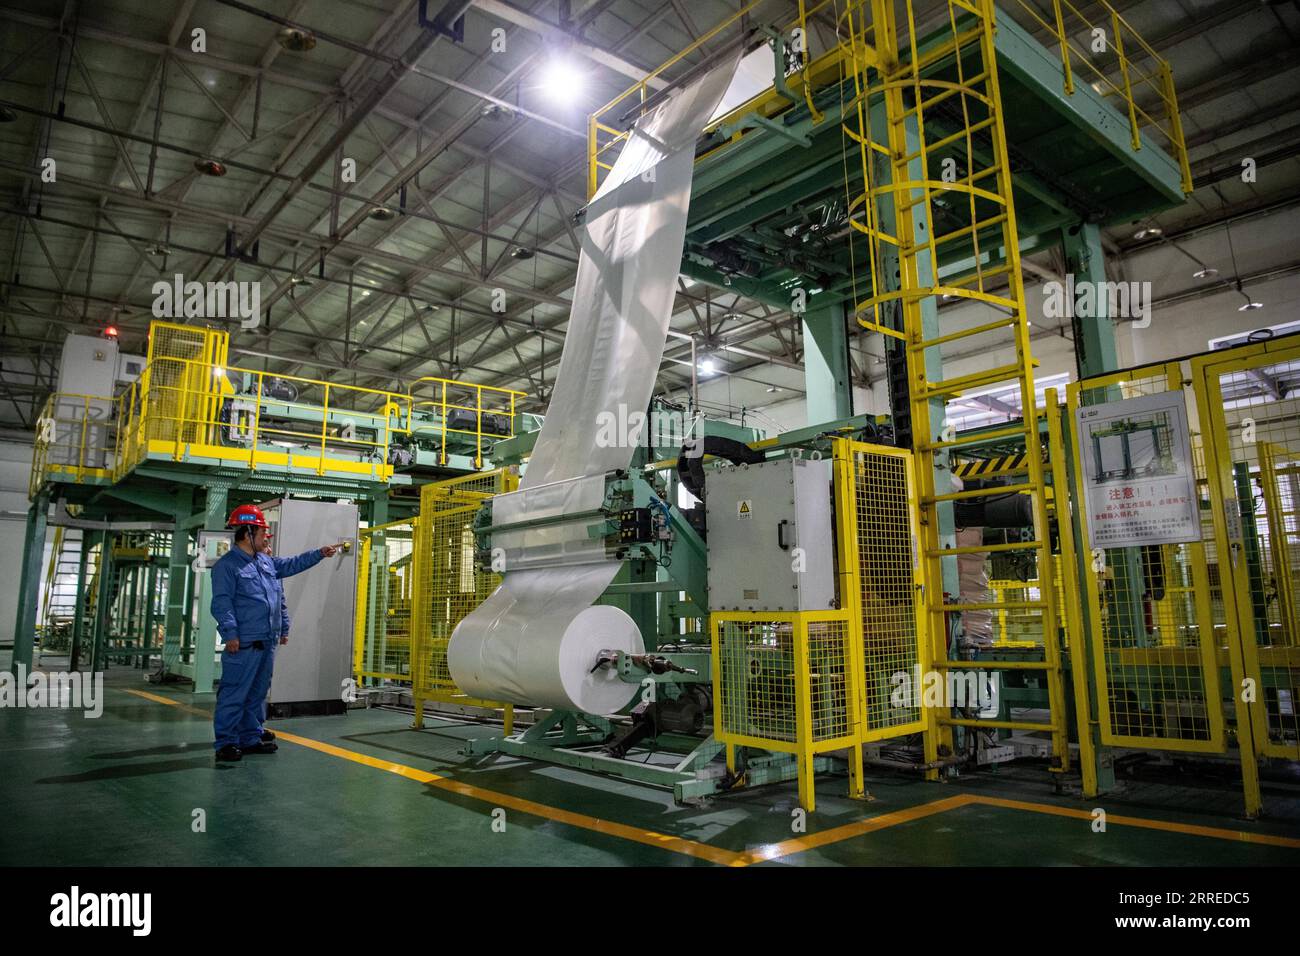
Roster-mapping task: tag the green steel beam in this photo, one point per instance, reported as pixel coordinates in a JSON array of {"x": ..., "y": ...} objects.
[
  {"x": 29, "y": 581},
  {"x": 827, "y": 383},
  {"x": 1094, "y": 335}
]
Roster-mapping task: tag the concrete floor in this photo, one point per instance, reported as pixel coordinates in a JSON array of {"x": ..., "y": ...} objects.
[{"x": 365, "y": 789}]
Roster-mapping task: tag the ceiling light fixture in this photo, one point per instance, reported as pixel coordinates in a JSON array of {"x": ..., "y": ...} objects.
[
  {"x": 1250, "y": 303},
  {"x": 1205, "y": 272},
  {"x": 383, "y": 213},
  {"x": 1148, "y": 232},
  {"x": 708, "y": 366},
  {"x": 522, "y": 253},
  {"x": 210, "y": 167},
  {"x": 158, "y": 249},
  {"x": 295, "y": 40},
  {"x": 497, "y": 111}
]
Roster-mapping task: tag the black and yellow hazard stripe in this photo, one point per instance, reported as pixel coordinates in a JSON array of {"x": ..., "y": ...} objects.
[{"x": 991, "y": 467}]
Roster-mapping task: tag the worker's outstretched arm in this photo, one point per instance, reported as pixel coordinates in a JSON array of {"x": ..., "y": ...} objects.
[
  {"x": 223, "y": 600},
  {"x": 288, "y": 567}
]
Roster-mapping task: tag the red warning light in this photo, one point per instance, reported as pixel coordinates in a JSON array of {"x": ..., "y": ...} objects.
[{"x": 111, "y": 331}]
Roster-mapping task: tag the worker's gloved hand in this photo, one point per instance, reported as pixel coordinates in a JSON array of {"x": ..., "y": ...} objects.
[
  {"x": 329, "y": 550},
  {"x": 232, "y": 645},
  {"x": 284, "y": 639}
]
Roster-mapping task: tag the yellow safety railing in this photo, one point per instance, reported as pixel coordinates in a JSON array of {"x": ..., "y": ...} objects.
[
  {"x": 604, "y": 140},
  {"x": 74, "y": 434},
  {"x": 191, "y": 409},
  {"x": 189, "y": 404},
  {"x": 492, "y": 410},
  {"x": 1124, "y": 66}
]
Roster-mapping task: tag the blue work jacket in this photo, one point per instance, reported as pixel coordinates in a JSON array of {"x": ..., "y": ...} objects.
[{"x": 247, "y": 596}]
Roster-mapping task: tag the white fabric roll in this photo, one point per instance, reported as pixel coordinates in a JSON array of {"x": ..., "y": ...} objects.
[{"x": 535, "y": 640}]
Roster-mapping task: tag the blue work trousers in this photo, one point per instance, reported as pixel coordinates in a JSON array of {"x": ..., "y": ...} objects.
[{"x": 241, "y": 698}]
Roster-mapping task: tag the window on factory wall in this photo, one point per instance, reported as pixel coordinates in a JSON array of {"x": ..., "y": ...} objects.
[
  {"x": 1255, "y": 335},
  {"x": 998, "y": 405}
]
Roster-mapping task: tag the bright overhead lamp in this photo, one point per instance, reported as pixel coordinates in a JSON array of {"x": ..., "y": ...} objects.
[
  {"x": 1148, "y": 232},
  {"x": 708, "y": 366},
  {"x": 382, "y": 213},
  {"x": 301, "y": 281},
  {"x": 158, "y": 249},
  {"x": 295, "y": 40},
  {"x": 1205, "y": 272},
  {"x": 521, "y": 253},
  {"x": 561, "y": 79}
]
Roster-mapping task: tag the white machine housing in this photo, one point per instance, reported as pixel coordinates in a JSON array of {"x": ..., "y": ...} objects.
[
  {"x": 758, "y": 515},
  {"x": 311, "y": 669}
]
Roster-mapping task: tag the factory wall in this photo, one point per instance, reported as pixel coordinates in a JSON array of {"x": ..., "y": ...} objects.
[{"x": 15, "y": 467}]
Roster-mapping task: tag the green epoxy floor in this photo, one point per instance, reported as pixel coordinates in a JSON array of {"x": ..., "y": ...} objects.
[{"x": 122, "y": 789}]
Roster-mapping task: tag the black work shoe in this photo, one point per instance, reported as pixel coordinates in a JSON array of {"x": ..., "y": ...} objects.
[
  {"x": 267, "y": 736},
  {"x": 265, "y": 747},
  {"x": 230, "y": 752}
]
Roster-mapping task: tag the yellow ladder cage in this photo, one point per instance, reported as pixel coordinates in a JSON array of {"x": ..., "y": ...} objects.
[{"x": 912, "y": 207}]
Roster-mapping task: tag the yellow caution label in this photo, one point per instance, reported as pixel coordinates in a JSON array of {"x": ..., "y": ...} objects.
[{"x": 744, "y": 508}]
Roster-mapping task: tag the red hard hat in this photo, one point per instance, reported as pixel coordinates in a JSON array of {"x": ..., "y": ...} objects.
[{"x": 246, "y": 516}]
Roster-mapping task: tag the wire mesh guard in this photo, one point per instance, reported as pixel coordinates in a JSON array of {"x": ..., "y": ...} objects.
[
  {"x": 449, "y": 582},
  {"x": 420, "y": 578},
  {"x": 763, "y": 683},
  {"x": 1262, "y": 437},
  {"x": 886, "y": 555},
  {"x": 1151, "y": 614},
  {"x": 388, "y": 590}
]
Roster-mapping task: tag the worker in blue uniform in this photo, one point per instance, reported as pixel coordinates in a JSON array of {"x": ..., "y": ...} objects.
[{"x": 252, "y": 618}]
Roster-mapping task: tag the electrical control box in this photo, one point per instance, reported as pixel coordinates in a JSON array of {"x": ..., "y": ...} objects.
[
  {"x": 770, "y": 539},
  {"x": 311, "y": 669}
]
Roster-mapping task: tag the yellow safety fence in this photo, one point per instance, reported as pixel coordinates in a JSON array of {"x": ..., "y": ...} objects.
[
  {"x": 419, "y": 578},
  {"x": 809, "y": 682},
  {"x": 1195, "y": 645}
]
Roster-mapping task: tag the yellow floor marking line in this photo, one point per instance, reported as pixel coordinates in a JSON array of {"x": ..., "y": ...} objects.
[
  {"x": 766, "y": 852},
  {"x": 1192, "y": 829},
  {"x": 664, "y": 841},
  {"x": 850, "y": 830}
]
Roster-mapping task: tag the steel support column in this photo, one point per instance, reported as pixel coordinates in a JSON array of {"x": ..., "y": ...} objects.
[
  {"x": 177, "y": 576},
  {"x": 1095, "y": 354},
  {"x": 826, "y": 364},
  {"x": 205, "y": 639},
  {"x": 29, "y": 586}
]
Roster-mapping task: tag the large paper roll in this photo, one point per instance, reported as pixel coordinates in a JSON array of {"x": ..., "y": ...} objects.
[{"x": 536, "y": 639}]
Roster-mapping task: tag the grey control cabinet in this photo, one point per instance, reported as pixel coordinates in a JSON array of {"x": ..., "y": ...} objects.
[
  {"x": 311, "y": 668},
  {"x": 758, "y": 515}
]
